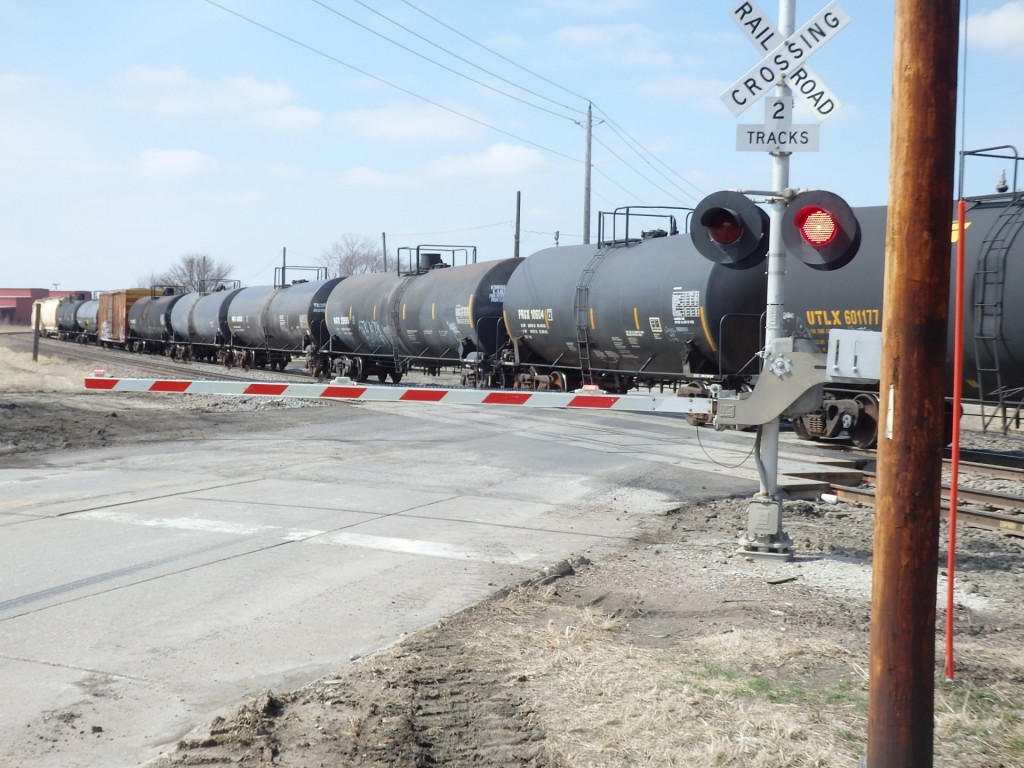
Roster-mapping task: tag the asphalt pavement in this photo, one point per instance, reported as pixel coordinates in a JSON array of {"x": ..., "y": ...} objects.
[{"x": 145, "y": 590}]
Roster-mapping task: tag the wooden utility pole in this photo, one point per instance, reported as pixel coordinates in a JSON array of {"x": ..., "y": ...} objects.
[{"x": 915, "y": 307}]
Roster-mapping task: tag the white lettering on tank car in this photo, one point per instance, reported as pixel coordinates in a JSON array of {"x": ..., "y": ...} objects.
[
  {"x": 497, "y": 293},
  {"x": 655, "y": 324},
  {"x": 685, "y": 306},
  {"x": 462, "y": 315},
  {"x": 534, "y": 314}
]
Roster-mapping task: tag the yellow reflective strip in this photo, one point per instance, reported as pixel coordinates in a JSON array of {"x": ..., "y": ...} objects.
[
  {"x": 592, "y": 326},
  {"x": 707, "y": 332},
  {"x": 471, "y": 323},
  {"x": 636, "y": 318},
  {"x": 403, "y": 312},
  {"x": 433, "y": 311},
  {"x": 956, "y": 229}
]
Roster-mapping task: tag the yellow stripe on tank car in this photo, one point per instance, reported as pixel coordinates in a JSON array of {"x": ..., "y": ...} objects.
[
  {"x": 433, "y": 311},
  {"x": 403, "y": 313},
  {"x": 956, "y": 230},
  {"x": 636, "y": 318},
  {"x": 375, "y": 313},
  {"x": 707, "y": 331},
  {"x": 593, "y": 327},
  {"x": 471, "y": 323},
  {"x": 351, "y": 315}
]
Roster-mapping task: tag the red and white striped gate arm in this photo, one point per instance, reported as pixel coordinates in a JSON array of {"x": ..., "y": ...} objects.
[{"x": 392, "y": 394}]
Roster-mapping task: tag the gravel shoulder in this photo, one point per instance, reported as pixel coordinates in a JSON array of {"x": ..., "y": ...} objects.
[{"x": 673, "y": 650}]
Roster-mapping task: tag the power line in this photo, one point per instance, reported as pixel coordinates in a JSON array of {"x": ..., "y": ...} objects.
[
  {"x": 619, "y": 132},
  {"x": 617, "y": 129},
  {"x": 435, "y": 62},
  {"x": 494, "y": 52},
  {"x": 462, "y": 59},
  {"x": 388, "y": 83},
  {"x": 652, "y": 183}
]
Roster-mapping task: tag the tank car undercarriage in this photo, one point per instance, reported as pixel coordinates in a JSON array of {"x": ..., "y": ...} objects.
[{"x": 855, "y": 413}]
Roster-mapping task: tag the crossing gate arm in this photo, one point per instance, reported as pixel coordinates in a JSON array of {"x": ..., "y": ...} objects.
[{"x": 371, "y": 393}]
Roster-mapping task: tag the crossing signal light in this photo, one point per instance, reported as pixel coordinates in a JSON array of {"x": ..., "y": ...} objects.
[
  {"x": 821, "y": 230},
  {"x": 728, "y": 229}
]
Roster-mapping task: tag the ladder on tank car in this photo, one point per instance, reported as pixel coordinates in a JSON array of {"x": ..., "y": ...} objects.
[
  {"x": 581, "y": 309},
  {"x": 989, "y": 289}
]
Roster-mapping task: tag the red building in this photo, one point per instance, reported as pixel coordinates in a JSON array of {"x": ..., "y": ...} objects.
[{"x": 16, "y": 303}]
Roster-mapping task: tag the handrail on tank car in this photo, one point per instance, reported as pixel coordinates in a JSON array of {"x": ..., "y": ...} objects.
[
  {"x": 279, "y": 275},
  {"x": 220, "y": 285},
  {"x": 166, "y": 289},
  {"x": 425, "y": 261},
  {"x": 1011, "y": 192},
  {"x": 626, "y": 212}
]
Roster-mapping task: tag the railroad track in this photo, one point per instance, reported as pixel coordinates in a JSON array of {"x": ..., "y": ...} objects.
[
  {"x": 992, "y": 510},
  {"x": 1009, "y": 520},
  {"x": 144, "y": 364},
  {"x": 160, "y": 367}
]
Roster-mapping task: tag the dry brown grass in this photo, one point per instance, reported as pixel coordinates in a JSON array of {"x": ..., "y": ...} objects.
[
  {"x": 756, "y": 698},
  {"x": 20, "y": 374}
]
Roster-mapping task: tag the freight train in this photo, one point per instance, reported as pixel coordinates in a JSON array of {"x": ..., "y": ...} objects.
[{"x": 639, "y": 308}]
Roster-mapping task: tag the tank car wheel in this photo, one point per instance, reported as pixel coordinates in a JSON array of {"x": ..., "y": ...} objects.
[
  {"x": 396, "y": 377},
  {"x": 358, "y": 374},
  {"x": 382, "y": 377},
  {"x": 559, "y": 382},
  {"x": 864, "y": 433},
  {"x": 801, "y": 430}
]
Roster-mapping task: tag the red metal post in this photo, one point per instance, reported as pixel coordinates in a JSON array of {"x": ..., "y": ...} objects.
[{"x": 958, "y": 391}]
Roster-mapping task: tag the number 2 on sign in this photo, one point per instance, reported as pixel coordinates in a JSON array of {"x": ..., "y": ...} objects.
[{"x": 778, "y": 113}]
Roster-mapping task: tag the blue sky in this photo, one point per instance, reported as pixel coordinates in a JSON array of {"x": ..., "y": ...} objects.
[{"x": 134, "y": 132}]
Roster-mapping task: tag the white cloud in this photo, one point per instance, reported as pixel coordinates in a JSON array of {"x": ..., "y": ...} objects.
[
  {"x": 1000, "y": 30},
  {"x": 499, "y": 158},
  {"x": 173, "y": 163},
  {"x": 403, "y": 122},
  {"x": 632, "y": 44},
  {"x": 588, "y": 36},
  {"x": 679, "y": 87},
  {"x": 12, "y": 82},
  {"x": 287, "y": 118},
  {"x": 596, "y": 7},
  {"x": 174, "y": 93},
  {"x": 371, "y": 177}
]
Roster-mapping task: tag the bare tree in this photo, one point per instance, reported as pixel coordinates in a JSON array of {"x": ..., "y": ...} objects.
[
  {"x": 197, "y": 272},
  {"x": 352, "y": 255}
]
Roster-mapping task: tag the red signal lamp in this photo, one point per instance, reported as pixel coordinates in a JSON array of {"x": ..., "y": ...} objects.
[
  {"x": 728, "y": 229},
  {"x": 821, "y": 230},
  {"x": 723, "y": 225},
  {"x": 818, "y": 226}
]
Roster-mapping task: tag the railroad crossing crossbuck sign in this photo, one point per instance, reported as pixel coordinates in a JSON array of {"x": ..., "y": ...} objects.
[{"x": 784, "y": 62}]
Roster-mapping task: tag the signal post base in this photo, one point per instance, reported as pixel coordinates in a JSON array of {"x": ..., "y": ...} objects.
[{"x": 765, "y": 537}]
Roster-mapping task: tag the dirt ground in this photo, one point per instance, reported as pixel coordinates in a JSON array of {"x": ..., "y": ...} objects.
[{"x": 674, "y": 651}]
